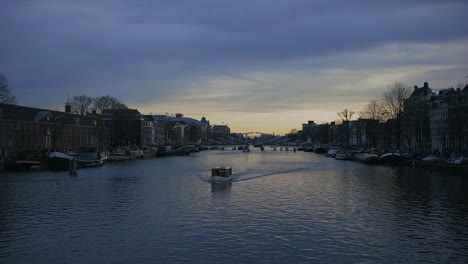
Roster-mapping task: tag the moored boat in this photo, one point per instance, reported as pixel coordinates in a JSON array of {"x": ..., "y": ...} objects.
[
  {"x": 90, "y": 159},
  {"x": 149, "y": 153},
  {"x": 221, "y": 173},
  {"x": 320, "y": 150},
  {"x": 191, "y": 148},
  {"x": 120, "y": 155},
  {"x": 341, "y": 155},
  {"x": 138, "y": 154},
  {"x": 30, "y": 164},
  {"x": 59, "y": 161},
  {"x": 331, "y": 153},
  {"x": 166, "y": 152},
  {"x": 62, "y": 161},
  {"x": 367, "y": 158},
  {"x": 390, "y": 158}
]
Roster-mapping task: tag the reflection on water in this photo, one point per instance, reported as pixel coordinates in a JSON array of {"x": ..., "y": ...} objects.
[
  {"x": 281, "y": 207},
  {"x": 220, "y": 186}
]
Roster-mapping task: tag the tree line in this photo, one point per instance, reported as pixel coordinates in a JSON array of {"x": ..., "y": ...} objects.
[
  {"x": 389, "y": 106},
  {"x": 82, "y": 104}
]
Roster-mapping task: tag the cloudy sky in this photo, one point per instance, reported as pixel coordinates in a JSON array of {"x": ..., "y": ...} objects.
[{"x": 257, "y": 65}]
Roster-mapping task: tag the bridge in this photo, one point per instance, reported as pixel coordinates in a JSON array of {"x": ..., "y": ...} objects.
[{"x": 265, "y": 139}]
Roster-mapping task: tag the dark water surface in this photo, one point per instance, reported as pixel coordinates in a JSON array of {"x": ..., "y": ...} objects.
[{"x": 282, "y": 207}]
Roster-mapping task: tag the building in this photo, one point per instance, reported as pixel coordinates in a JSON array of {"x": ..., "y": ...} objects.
[
  {"x": 180, "y": 130},
  {"x": 436, "y": 123},
  {"x": 438, "y": 120},
  {"x": 149, "y": 131},
  {"x": 458, "y": 121},
  {"x": 126, "y": 127},
  {"x": 219, "y": 131},
  {"x": 308, "y": 132},
  {"x": 27, "y": 130},
  {"x": 415, "y": 121}
]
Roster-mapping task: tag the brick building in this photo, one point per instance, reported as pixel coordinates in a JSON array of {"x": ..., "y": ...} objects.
[{"x": 27, "y": 130}]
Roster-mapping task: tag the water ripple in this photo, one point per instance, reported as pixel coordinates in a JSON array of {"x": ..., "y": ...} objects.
[{"x": 281, "y": 207}]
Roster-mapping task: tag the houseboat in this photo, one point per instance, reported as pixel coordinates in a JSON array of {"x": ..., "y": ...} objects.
[
  {"x": 221, "y": 173},
  {"x": 60, "y": 161}
]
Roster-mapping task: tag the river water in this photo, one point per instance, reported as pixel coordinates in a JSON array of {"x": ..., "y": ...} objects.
[{"x": 281, "y": 207}]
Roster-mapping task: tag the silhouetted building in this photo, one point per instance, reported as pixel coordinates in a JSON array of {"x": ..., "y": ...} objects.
[
  {"x": 125, "y": 126},
  {"x": 219, "y": 131},
  {"x": 37, "y": 131},
  {"x": 180, "y": 130},
  {"x": 415, "y": 126}
]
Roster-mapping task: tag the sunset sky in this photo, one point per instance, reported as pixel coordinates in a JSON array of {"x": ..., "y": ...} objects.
[{"x": 257, "y": 65}]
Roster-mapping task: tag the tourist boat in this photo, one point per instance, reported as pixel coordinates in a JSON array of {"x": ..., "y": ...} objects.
[{"x": 221, "y": 173}]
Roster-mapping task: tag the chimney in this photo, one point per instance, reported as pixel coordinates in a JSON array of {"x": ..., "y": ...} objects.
[
  {"x": 426, "y": 85},
  {"x": 415, "y": 87},
  {"x": 458, "y": 89}
]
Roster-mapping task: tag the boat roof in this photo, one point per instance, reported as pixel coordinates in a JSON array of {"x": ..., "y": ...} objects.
[
  {"x": 221, "y": 167},
  {"x": 60, "y": 155},
  {"x": 389, "y": 154}
]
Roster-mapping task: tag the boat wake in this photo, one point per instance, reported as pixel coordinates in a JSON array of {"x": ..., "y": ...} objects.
[
  {"x": 240, "y": 176},
  {"x": 246, "y": 175}
]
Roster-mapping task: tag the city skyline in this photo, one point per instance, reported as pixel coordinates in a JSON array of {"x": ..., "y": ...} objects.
[{"x": 257, "y": 66}]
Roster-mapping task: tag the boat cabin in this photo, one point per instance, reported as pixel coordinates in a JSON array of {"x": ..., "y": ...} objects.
[{"x": 221, "y": 171}]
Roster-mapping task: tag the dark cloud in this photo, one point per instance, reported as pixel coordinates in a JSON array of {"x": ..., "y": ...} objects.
[{"x": 142, "y": 50}]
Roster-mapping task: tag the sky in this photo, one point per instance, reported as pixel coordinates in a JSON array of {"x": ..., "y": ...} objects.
[{"x": 256, "y": 65}]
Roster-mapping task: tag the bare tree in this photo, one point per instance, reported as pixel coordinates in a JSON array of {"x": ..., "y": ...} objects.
[
  {"x": 80, "y": 104},
  {"x": 107, "y": 102},
  {"x": 393, "y": 103},
  {"x": 6, "y": 96},
  {"x": 393, "y": 99},
  {"x": 119, "y": 106},
  {"x": 346, "y": 127},
  {"x": 373, "y": 110},
  {"x": 461, "y": 85},
  {"x": 345, "y": 115}
]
